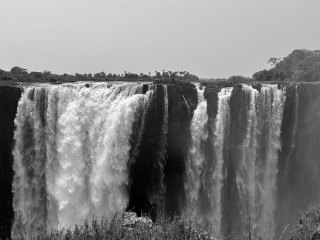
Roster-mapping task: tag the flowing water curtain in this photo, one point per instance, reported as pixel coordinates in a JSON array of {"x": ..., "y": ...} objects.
[
  {"x": 275, "y": 98},
  {"x": 149, "y": 154},
  {"x": 156, "y": 195},
  {"x": 195, "y": 163},
  {"x": 101, "y": 121},
  {"x": 29, "y": 200},
  {"x": 257, "y": 172},
  {"x": 162, "y": 153},
  {"x": 196, "y": 157},
  {"x": 246, "y": 170},
  {"x": 221, "y": 132},
  {"x": 80, "y": 162},
  {"x": 139, "y": 127},
  {"x": 52, "y": 164}
]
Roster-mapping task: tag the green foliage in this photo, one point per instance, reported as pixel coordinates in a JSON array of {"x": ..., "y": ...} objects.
[
  {"x": 274, "y": 61},
  {"x": 18, "y": 70},
  {"x": 19, "y": 74},
  {"x": 175, "y": 228},
  {"x": 308, "y": 69},
  {"x": 300, "y": 66},
  {"x": 264, "y": 75},
  {"x": 239, "y": 79}
]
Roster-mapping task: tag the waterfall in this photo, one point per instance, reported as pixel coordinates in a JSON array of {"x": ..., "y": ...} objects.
[
  {"x": 71, "y": 153},
  {"x": 221, "y": 133},
  {"x": 160, "y": 160},
  {"x": 256, "y": 165},
  {"x": 84, "y": 150},
  {"x": 29, "y": 201},
  {"x": 196, "y": 161},
  {"x": 246, "y": 171},
  {"x": 196, "y": 157},
  {"x": 164, "y": 140},
  {"x": 274, "y": 98},
  {"x": 257, "y": 172}
]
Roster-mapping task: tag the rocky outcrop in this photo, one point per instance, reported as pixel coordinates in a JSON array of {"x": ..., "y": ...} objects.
[{"x": 131, "y": 220}]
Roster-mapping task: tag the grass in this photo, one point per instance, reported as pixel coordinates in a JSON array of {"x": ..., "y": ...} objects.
[
  {"x": 171, "y": 229},
  {"x": 176, "y": 228}
]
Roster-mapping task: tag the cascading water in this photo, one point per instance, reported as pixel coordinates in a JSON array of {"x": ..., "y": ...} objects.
[
  {"x": 256, "y": 164},
  {"x": 161, "y": 158},
  {"x": 196, "y": 157},
  {"x": 274, "y": 99},
  {"x": 220, "y": 135},
  {"x": 247, "y": 163},
  {"x": 84, "y": 150},
  {"x": 29, "y": 188},
  {"x": 257, "y": 172},
  {"x": 196, "y": 160},
  {"x": 71, "y": 154}
]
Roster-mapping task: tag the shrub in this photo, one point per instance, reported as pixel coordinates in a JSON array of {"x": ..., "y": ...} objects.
[
  {"x": 176, "y": 228},
  {"x": 309, "y": 224}
]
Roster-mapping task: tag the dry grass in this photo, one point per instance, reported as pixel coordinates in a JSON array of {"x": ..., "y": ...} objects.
[{"x": 170, "y": 229}]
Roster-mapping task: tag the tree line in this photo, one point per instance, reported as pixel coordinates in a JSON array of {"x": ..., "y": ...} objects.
[
  {"x": 299, "y": 66},
  {"x": 19, "y": 74}
]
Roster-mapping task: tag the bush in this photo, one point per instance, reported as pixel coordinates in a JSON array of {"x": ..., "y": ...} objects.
[
  {"x": 309, "y": 224},
  {"x": 173, "y": 228}
]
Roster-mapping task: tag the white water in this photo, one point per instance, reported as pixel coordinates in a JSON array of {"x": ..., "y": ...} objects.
[
  {"x": 196, "y": 158},
  {"x": 86, "y": 142},
  {"x": 195, "y": 165},
  {"x": 256, "y": 174},
  {"x": 276, "y": 98},
  {"x": 72, "y": 152},
  {"x": 256, "y": 178},
  {"x": 28, "y": 184},
  {"x": 222, "y": 123}
]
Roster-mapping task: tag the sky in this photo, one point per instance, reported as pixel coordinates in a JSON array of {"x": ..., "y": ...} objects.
[{"x": 209, "y": 38}]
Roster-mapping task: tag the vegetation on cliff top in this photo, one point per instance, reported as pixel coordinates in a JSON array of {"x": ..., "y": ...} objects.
[
  {"x": 299, "y": 66},
  {"x": 18, "y": 74}
]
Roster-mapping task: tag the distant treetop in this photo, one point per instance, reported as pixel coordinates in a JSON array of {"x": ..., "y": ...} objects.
[
  {"x": 19, "y": 74},
  {"x": 300, "y": 66}
]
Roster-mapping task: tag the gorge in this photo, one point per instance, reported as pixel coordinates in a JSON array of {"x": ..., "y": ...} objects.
[{"x": 232, "y": 155}]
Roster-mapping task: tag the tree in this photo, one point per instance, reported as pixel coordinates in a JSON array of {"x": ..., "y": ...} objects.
[
  {"x": 100, "y": 75},
  {"x": 18, "y": 70},
  {"x": 158, "y": 75},
  {"x": 273, "y": 61},
  {"x": 2, "y": 73}
]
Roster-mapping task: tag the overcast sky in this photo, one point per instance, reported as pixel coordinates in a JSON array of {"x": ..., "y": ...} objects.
[{"x": 210, "y": 38}]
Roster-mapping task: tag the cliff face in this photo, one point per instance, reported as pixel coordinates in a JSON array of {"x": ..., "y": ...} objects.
[
  {"x": 299, "y": 164},
  {"x": 228, "y": 154},
  {"x": 9, "y": 97}
]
